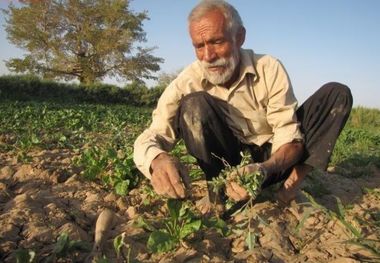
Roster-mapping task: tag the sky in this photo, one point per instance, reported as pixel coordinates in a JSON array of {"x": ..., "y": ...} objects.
[{"x": 317, "y": 41}]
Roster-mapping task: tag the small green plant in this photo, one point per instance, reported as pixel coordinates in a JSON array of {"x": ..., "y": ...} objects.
[
  {"x": 25, "y": 256},
  {"x": 180, "y": 224},
  {"x": 64, "y": 248},
  {"x": 118, "y": 244},
  {"x": 252, "y": 183},
  {"x": 356, "y": 237},
  {"x": 115, "y": 169}
]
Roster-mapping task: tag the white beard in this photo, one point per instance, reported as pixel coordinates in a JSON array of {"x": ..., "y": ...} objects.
[{"x": 229, "y": 65}]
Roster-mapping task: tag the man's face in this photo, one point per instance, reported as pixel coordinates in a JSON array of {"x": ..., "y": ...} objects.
[{"x": 216, "y": 49}]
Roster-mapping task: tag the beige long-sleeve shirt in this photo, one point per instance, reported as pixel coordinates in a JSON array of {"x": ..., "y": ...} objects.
[{"x": 261, "y": 107}]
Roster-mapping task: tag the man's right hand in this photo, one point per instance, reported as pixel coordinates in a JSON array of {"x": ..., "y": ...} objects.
[{"x": 169, "y": 176}]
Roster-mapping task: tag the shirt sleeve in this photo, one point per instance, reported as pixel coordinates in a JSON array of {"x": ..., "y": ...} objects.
[
  {"x": 282, "y": 106},
  {"x": 161, "y": 135}
]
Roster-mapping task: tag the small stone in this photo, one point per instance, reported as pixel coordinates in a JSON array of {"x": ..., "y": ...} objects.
[
  {"x": 24, "y": 172},
  {"x": 6, "y": 173},
  {"x": 40, "y": 234},
  {"x": 238, "y": 245},
  {"x": 3, "y": 186},
  {"x": 131, "y": 212},
  {"x": 66, "y": 161},
  {"x": 74, "y": 232},
  {"x": 111, "y": 197},
  {"x": 122, "y": 204},
  {"x": 91, "y": 197}
]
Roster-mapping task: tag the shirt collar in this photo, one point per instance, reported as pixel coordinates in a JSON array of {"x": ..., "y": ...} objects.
[{"x": 246, "y": 67}]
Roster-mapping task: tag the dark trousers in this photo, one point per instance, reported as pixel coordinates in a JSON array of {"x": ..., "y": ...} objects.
[{"x": 203, "y": 126}]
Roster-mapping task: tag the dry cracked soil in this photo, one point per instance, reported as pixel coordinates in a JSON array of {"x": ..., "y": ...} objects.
[{"x": 45, "y": 197}]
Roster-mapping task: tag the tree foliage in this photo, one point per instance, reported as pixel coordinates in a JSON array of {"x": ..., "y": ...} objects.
[{"x": 80, "y": 39}]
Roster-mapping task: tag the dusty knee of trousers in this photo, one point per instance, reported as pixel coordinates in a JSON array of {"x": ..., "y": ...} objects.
[
  {"x": 343, "y": 97},
  {"x": 194, "y": 109}
]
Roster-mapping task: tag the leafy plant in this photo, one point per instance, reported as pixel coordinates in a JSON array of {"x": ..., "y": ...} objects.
[
  {"x": 115, "y": 170},
  {"x": 64, "y": 247},
  {"x": 118, "y": 244},
  {"x": 25, "y": 256},
  {"x": 252, "y": 183},
  {"x": 180, "y": 224}
]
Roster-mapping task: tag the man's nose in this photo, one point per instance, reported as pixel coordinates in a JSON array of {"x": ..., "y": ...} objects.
[{"x": 209, "y": 55}]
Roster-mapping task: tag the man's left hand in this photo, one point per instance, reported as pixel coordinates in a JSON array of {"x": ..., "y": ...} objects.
[{"x": 236, "y": 192}]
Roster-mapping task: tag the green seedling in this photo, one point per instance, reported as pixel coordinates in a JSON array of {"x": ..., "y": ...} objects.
[
  {"x": 118, "y": 244},
  {"x": 179, "y": 225},
  {"x": 25, "y": 256},
  {"x": 356, "y": 236},
  {"x": 66, "y": 248},
  {"x": 115, "y": 170},
  {"x": 252, "y": 183}
]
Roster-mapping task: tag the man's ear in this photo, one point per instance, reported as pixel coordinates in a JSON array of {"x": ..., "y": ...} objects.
[{"x": 240, "y": 36}]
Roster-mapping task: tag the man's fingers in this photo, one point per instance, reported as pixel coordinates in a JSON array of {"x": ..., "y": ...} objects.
[
  {"x": 175, "y": 182},
  {"x": 239, "y": 190},
  {"x": 236, "y": 192},
  {"x": 231, "y": 193},
  {"x": 184, "y": 172},
  {"x": 162, "y": 184}
]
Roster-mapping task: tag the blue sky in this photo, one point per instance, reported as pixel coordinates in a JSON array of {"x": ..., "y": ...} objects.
[{"x": 317, "y": 41}]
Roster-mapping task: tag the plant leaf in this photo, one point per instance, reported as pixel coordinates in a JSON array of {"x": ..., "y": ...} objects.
[
  {"x": 341, "y": 209},
  {"x": 218, "y": 224},
  {"x": 250, "y": 240},
  {"x": 25, "y": 256},
  {"x": 62, "y": 244},
  {"x": 121, "y": 187},
  {"x": 190, "y": 228},
  {"x": 141, "y": 222},
  {"x": 174, "y": 207},
  {"x": 161, "y": 242},
  {"x": 117, "y": 244},
  {"x": 305, "y": 216}
]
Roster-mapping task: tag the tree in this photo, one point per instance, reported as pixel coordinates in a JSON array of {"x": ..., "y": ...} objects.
[{"x": 80, "y": 39}]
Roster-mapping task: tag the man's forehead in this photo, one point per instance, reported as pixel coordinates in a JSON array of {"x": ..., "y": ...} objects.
[{"x": 211, "y": 22}]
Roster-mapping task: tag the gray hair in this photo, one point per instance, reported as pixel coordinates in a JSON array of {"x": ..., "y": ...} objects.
[{"x": 233, "y": 19}]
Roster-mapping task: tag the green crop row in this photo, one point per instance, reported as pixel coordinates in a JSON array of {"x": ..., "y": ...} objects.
[{"x": 100, "y": 131}]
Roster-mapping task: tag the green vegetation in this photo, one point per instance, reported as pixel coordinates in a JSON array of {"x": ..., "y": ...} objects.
[
  {"x": 101, "y": 136},
  {"x": 64, "y": 248},
  {"x": 357, "y": 148},
  {"x": 32, "y": 88},
  {"x": 37, "y": 115},
  {"x": 168, "y": 233}
]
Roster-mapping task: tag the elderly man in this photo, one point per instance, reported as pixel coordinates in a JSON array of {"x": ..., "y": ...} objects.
[{"x": 232, "y": 99}]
